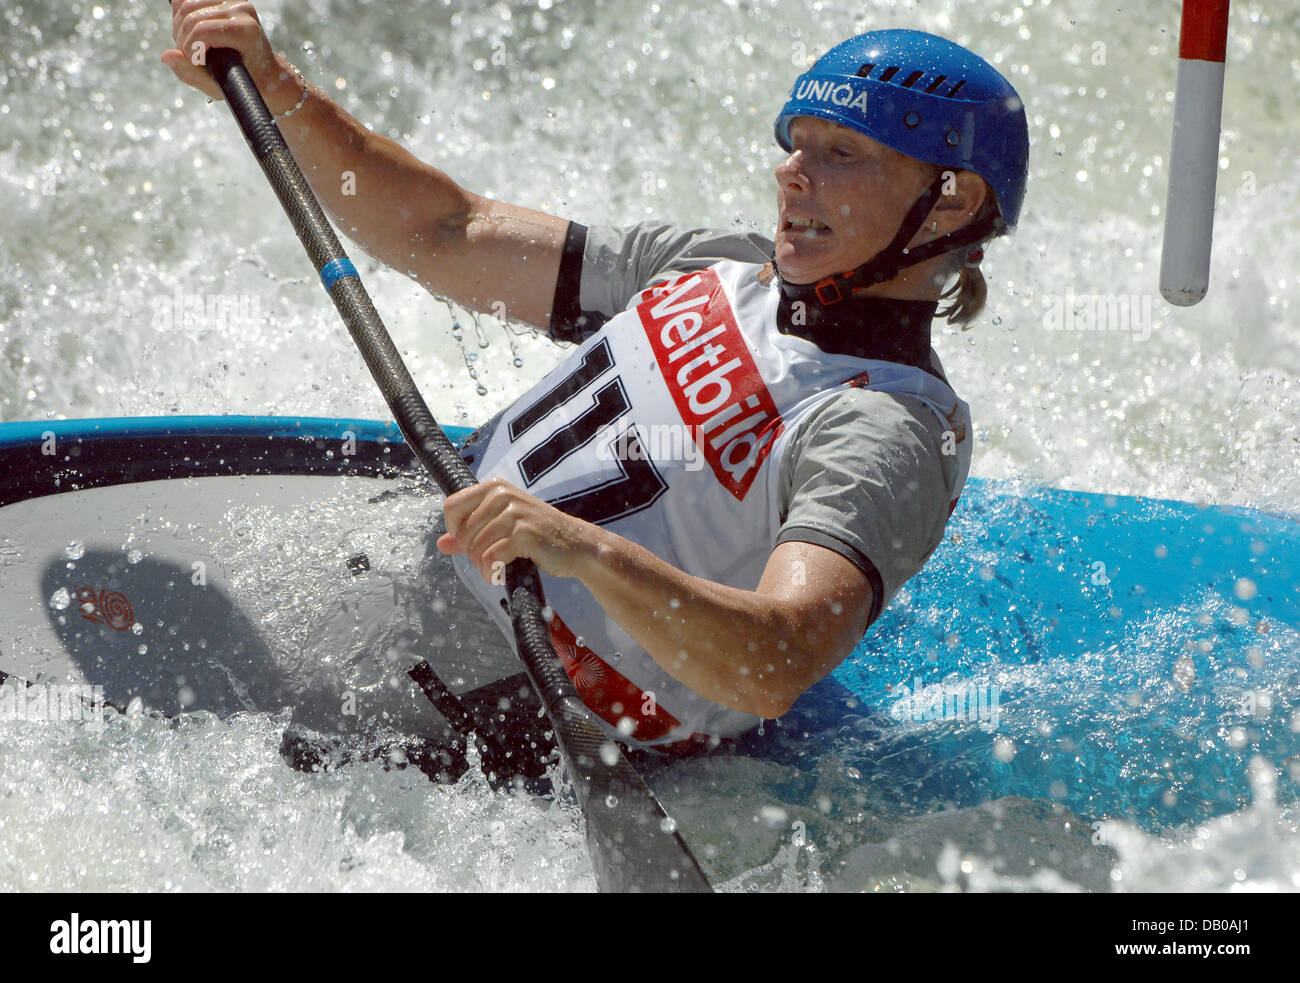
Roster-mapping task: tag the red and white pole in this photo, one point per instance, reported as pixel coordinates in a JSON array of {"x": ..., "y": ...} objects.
[{"x": 1194, "y": 159}]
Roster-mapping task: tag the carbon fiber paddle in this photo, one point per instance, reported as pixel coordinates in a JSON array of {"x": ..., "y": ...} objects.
[{"x": 633, "y": 844}]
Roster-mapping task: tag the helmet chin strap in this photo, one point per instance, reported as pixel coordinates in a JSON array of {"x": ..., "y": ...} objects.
[{"x": 895, "y": 257}]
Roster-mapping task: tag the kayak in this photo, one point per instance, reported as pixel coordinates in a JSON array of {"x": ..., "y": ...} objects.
[
  {"x": 234, "y": 564},
  {"x": 1121, "y": 656}
]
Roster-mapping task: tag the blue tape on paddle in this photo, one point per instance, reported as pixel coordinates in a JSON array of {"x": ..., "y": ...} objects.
[{"x": 335, "y": 270}]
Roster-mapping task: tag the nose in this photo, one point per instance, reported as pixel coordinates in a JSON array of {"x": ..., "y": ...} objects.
[{"x": 790, "y": 173}]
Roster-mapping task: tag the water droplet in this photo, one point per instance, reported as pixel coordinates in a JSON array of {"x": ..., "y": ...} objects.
[
  {"x": 668, "y": 825},
  {"x": 135, "y": 556},
  {"x": 609, "y": 753},
  {"x": 60, "y": 599},
  {"x": 74, "y": 551},
  {"x": 1004, "y": 750},
  {"x": 611, "y": 801}
]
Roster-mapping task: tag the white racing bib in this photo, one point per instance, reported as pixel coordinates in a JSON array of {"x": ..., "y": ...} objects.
[{"x": 667, "y": 427}]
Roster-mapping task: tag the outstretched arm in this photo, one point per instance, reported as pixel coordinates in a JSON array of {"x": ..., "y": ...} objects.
[
  {"x": 755, "y": 651},
  {"x": 406, "y": 213}
]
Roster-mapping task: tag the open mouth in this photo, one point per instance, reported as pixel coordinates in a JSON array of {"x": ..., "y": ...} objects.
[{"x": 806, "y": 226}]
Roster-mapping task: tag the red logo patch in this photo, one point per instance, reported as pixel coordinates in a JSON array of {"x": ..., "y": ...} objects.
[
  {"x": 711, "y": 375},
  {"x": 606, "y": 692},
  {"x": 108, "y": 607}
]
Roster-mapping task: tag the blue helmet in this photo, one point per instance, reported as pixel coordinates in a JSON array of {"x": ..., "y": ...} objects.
[{"x": 927, "y": 98}]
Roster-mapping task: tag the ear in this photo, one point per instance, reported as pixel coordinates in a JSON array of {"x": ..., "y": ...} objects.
[{"x": 963, "y": 195}]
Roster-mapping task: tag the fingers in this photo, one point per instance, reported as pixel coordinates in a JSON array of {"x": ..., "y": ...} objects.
[
  {"x": 490, "y": 548},
  {"x": 195, "y": 17},
  {"x": 484, "y": 523},
  {"x": 500, "y": 540},
  {"x": 495, "y": 523},
  {"x": 192, "y": 75},
  {"x": 199, "y": 26},
  {"x": 486, "y": 533},
  {"x": 458, "y": 507},
  {"x": 486, "y": 562}
]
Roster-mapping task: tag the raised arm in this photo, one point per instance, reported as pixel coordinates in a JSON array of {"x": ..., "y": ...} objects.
[{"x": 407, "y": 214}]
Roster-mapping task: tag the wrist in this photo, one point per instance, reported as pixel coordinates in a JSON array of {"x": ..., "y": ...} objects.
[
  {"x": 597, "y": 550},
  {"x": 282, "y": 86}
]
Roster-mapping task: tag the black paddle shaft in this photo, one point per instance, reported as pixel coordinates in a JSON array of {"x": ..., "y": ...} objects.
[{"x": 633, "y": 844}]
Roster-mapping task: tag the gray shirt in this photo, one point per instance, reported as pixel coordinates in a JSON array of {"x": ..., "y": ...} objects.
[{"x": 864, "y": 475}]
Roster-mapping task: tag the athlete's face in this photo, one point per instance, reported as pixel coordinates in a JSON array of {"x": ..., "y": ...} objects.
[{"x": 841, "y": 197}]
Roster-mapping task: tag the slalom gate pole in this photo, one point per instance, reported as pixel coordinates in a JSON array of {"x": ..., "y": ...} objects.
[{"x": 1194, "y": 157}]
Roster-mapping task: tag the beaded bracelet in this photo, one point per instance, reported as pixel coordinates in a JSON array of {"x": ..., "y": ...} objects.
[{"x": 301, "y": 101}]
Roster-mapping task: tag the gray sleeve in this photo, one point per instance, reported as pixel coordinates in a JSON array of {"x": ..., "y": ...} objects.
[
  {"x": 865, "y": 476},
  {"x": 617, "y": 263}
]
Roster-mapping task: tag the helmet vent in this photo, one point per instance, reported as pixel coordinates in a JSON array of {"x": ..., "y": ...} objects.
[{"x": 913, "y": 77}]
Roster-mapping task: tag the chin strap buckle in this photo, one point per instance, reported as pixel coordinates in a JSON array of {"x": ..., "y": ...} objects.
[{"x": 823, "y": 291}]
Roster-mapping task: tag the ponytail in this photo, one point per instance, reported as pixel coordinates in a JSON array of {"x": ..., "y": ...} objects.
[
  {"x": 968, "y": 294},
  {"x": 970, "y": 291}
]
